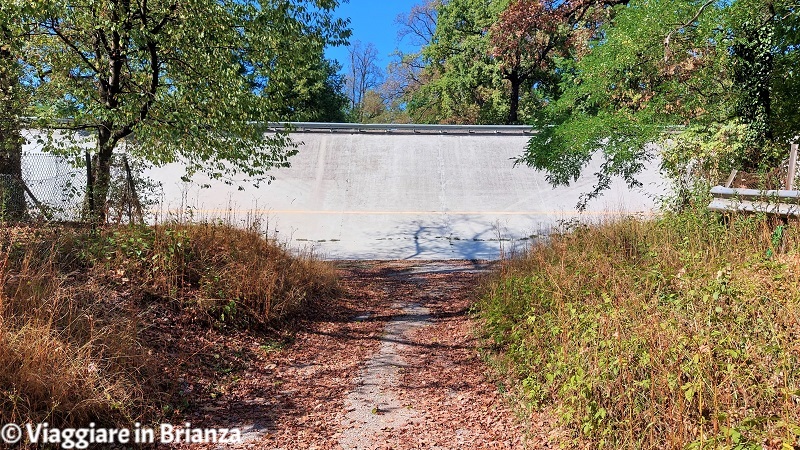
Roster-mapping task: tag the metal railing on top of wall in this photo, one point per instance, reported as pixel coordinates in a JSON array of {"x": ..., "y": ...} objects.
[
  {"x": 398, "y": 128},
  {"x": 402, "y": 128}
]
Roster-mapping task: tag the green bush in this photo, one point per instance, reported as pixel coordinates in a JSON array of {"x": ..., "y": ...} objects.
[{"x": 680, "y": 332}]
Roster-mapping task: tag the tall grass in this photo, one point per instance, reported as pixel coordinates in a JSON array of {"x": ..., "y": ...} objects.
[
  {"x": 69, "y": 352},
  {"x": 236, "y": 276},
  {"x": 73, "y": 305},
  {"x": 680, "y": 332}
]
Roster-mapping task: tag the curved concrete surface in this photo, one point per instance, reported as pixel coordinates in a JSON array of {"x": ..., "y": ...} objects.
[{"x": 398, "y": 196}]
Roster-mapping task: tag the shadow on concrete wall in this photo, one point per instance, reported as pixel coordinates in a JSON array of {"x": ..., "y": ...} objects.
[{"x": 448, "y": 239}]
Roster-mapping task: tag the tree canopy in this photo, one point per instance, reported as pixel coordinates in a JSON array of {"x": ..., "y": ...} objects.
[
  {"x": 189, "y": 80},
  {"x": 465, "y": 84},
  {"x": 720, "y": 76},
  {"x": 494, "y": 61},
  {"x": 363, "y": 76},
  {"x": 712, "y": 82}
]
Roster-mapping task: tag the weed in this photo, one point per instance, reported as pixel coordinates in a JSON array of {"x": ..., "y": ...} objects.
[
  {"x": 671, "y": 333},
  {"x": 272, "y": 346}
]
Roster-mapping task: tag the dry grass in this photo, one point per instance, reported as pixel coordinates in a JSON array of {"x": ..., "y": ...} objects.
[
  {"x": 236, "y": 276},
  {"x": 72, "y": 310},
  {"x": 681, "y": 332}
]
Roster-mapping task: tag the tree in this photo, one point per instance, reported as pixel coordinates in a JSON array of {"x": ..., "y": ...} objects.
[
  {"x": 364, "y": 74},
  {"x": 466, "y": 84},
  {"x": 531, "y": 35},
  {"x": 408, "y": 72},
  {"x": 494, "y": 61},
  {"x": 12, "y": 196},
  {"x": 525, "y": 40},
  {"x": 320, "y": 97},
  {"x": 756, "y": 49},
  {"x": 188, "y": 80},
  {"x": 419, "y": 25},
  {"x": 373, "y": 108},
  {"x": 716, "y": 69},
  {"x": 786, "y": 87}
]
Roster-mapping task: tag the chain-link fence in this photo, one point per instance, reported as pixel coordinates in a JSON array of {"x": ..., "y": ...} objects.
[{"x": 53, "y": 187}]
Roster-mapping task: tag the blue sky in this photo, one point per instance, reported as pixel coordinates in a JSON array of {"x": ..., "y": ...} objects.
[{"x": 372, "y": 21}]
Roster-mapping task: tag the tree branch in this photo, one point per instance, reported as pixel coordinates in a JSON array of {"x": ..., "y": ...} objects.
[
  {"x": 167, "y": 17},
  {"x": 155, "y": 72},
  {"x": 74, "y": 48},
  {"x": 669, "y": 36}
]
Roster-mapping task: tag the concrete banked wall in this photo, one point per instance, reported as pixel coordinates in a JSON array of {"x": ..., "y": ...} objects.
[{"x": 388, "y": 193}]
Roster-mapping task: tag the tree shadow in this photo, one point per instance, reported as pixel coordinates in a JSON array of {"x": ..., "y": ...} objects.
[{"x": 461, "y": 237}]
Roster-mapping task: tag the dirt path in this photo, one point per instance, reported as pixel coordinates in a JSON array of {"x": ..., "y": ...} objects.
[
  {"x": 392, "y": 364},
  {"x": 373, "y": 407}
]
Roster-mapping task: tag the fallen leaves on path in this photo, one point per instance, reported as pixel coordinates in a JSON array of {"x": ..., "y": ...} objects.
[{"x": 294, "y": 394}]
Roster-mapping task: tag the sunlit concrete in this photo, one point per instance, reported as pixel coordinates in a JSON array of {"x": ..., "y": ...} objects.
[{"x": 398, "y": 196}]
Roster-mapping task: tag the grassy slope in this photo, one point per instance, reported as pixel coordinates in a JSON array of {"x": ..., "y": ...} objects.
[
  {"x": 656, "y": 334},
  {"x": 79, "y": 312}
]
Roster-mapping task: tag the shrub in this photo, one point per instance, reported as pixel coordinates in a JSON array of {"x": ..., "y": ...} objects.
[
  {"x": 69, "y": 352},
  {"x": 679, "y": 332},
  {"x": 237, "y": 276}
]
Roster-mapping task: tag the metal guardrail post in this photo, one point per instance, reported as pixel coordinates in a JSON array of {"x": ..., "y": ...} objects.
[
  {"x": 790, "y": 174},
  {"x": 731, "y": 177},
  {"x": 132, "y": 187}
]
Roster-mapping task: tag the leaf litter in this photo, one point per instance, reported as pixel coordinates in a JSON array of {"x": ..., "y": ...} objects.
[{"x": 391, "y": 364}]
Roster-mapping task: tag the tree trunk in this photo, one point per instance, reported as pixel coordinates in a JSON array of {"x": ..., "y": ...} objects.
[
  {"x": 102, "y": 174},
  {"x": 12, "y": 195},
  {"x": 513, "y": 110}
]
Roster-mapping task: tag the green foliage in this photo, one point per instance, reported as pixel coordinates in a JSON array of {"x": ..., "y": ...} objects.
[
  {"x": 195, "y": 81},
  {"x": 467, "y": 86},
  {"x": 681, "y": 332},
  {"x": 494, "y": 61},
  {"x": 320, "y": 96},
  {"x": 785, "y": 88},
  {"x": 12, "y": 99},
  {"x": 564, "y": 150},
  {"x": 721, "y": 70}
]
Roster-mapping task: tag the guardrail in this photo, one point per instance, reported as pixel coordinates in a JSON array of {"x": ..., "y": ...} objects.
[
  {"x": 782, "y": 203},
  {"x": 393, "y": 128},
  {"x": 397, "y": 128},
  {"x": 777, "y": 202}
]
